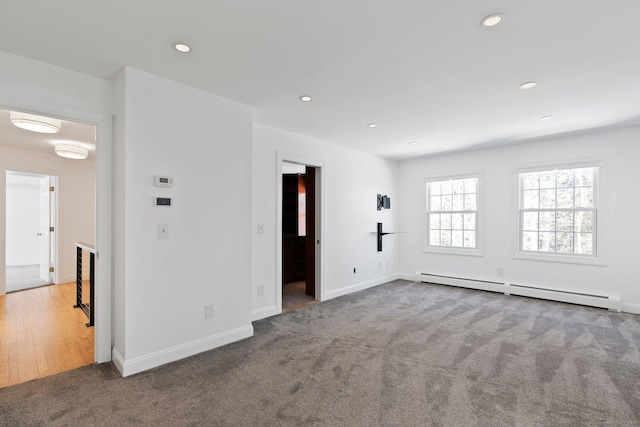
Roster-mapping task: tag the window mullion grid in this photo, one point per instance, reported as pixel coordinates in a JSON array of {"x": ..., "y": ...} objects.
[
  {"x": 429, "y": 231},
  {"x": 555, "y": 213},
  {"x": 450, "y": 212},
  {"x": 573, "y": 231}
]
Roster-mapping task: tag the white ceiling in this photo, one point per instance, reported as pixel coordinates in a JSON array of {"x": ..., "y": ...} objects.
[{"x": 423, "y": 70}]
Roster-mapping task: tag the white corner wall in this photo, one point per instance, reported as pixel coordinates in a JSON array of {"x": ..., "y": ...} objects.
[
  {"x": 162, "y": 286},
  {"x": 351, "y": 180},
  {"x": 618, "y": 236}
]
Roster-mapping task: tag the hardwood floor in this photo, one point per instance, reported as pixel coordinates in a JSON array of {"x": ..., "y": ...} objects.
[{"x": 42, "y": 334}]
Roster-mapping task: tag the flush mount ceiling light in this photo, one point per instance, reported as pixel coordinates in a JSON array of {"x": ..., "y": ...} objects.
[
  {"x": 305, "y": 98},
  {"x": 493, "y": 20},
  {"x": 528, "y": 85},
  {"x": 413, "y": 143},
  {"x": 371, "y": 125},
  {"x": 71, "y": 151},
  {"x": 35, "y": 123},
  {"x": 547, "y": 117},
  {"x": 182, "y": 47}
]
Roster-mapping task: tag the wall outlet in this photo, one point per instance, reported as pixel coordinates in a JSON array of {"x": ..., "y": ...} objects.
[
  {"x": 260, "y": 291},
  {"x": 260, "y": 228},
  {"x": 500, "y": 271},
  {"x": 208, "y": 311}
]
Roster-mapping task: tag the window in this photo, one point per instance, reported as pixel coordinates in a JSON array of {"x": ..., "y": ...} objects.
[
  {"x": 452, "y": 213},
  {"x": 558, "y": 210}
]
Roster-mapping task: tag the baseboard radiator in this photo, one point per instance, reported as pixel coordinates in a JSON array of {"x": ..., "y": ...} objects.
[{"x": 602, "y": 301}]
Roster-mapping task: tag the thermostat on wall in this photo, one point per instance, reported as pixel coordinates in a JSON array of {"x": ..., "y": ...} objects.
[
  {"x": 162, "y": 201},
  {"x": 163, "y": 181}
]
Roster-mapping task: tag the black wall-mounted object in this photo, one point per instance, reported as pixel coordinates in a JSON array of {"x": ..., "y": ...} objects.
[
  {"x": 384, "y": 202},
  {"x": 380, "y": 234}
]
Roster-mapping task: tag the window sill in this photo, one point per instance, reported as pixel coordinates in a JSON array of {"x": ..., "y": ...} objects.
[
  {"x": 453, "y": 251},
  {"x": 566, "y": 259}
]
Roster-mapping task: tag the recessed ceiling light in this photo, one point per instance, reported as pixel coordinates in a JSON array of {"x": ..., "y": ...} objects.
[
  {"x": 413, "y": 143},
  {"x": 181, "y": 47},
  {"x": 547, "y": 117},
  {"x": 528, "y": 85},
  {"x": 35, "y": 123},
  {"x": 305, "y": 98},
  {"x": 493, "y": 20},
  {"x": 371, "y": 125}
]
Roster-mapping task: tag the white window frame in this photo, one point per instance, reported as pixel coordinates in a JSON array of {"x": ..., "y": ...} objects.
[
  {"x": 479, "y": 249},
  {"x": 597, "y": 258}
]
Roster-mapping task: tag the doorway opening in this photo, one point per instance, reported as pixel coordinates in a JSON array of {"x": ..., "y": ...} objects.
[
  {"x": 299, "y": 236},
  {"x": 49, "y": 201},
  {"x": 30, "y": 230}
]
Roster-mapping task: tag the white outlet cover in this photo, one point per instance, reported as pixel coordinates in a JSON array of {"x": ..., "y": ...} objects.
[
  {"x": 208, "y": 311},
  {"x": 163, "y": 231}
]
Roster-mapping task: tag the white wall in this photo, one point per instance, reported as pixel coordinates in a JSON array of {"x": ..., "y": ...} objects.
[
  {"x": 204, "y": 143},
  {"x": 23, "y": 220},
  {"x": 351, "y": 180},
  {"x": 47, "y": 83},
  {"x": 76, "y": 201},
  {"x": 618, "y": 237}
]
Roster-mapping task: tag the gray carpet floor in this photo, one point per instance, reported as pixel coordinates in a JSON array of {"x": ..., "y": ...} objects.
[
  {"x": 400, "y": 354},
  {"x": 24, "y": 277}
]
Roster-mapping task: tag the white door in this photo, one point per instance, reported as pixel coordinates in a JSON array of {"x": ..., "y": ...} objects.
[{"x": 44, "y": 233}]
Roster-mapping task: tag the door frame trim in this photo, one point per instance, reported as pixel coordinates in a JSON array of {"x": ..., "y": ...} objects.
[
  {"x": 320, "y": 203},
  {"x": 104, "y": 203}
]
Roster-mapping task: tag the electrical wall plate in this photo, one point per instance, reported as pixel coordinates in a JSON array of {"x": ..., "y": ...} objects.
[
  {"x": 163, "y": 181},
  {"x": 162, "y": 201}
]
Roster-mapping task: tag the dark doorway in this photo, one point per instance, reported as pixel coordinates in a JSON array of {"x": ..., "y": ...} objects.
[{"x": 298, "y": 237}]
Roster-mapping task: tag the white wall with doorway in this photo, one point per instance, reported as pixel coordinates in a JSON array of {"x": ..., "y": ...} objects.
[
  {"x": 24, "y": 81},
  {"x": 76, "y": 201},
  {"x": 23, "y": 220},
  {"x": 351, "y": 181}
]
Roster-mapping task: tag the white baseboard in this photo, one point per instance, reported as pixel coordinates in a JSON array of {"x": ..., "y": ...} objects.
[
  {"x": 631, "y": 308},
  {"x": 407, "y": 276},
  {"x": 360, "y": 286},
  {"x": 23, "y": 263},
  {"x": 117, "y": 360},
  {"x": 67, "y": 279},
  {"x": 72, "y": 278},
  {"x": 263, "y": 313},
  {"x": 149, "y": 361}
]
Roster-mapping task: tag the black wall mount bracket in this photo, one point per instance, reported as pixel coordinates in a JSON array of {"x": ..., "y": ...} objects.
[
  {"x": 384, "y": 202},
  {"x": 380, "y": 234}
]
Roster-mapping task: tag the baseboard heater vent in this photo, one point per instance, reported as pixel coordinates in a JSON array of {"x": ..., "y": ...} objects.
[{"x": 602, "y": 301}]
